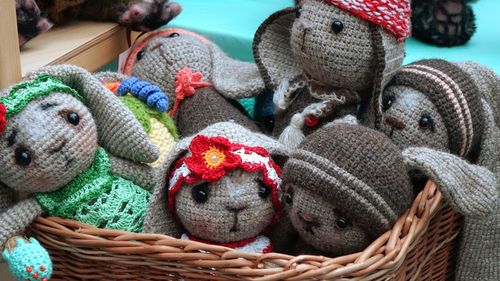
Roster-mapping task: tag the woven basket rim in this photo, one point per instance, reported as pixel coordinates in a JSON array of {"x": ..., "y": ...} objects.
[{"x": 384, "y": 256}]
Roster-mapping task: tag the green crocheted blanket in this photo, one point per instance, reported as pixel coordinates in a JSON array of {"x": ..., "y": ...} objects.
[{"x": 98, "y": 198}]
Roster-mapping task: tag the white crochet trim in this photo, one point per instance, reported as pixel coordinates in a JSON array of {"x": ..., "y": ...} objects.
[
  {"x": 255, "y": 158},
  {"x": 183, "y": 171}
]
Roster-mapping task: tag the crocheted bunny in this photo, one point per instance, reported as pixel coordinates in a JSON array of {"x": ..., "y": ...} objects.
[
  {"x": 326, "y": 58},
  {"x": 224, "y": 188},
  {"x": 202, "y": 82},
  {"x": 51, "y": 127},
  {"x": 345, "y": 186},
  {"x": 149, "y": 105},
  {"x": 443, "y": 115}
]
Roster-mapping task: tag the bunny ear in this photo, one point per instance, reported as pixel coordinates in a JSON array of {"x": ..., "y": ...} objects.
[
  {"x": 158, "y": 218},
  {"x": 119, "y": 131},
  {"x": 233, "y": 78},
  {"x": 471, "y": 189},
  {"x": 272, "y": 51}
]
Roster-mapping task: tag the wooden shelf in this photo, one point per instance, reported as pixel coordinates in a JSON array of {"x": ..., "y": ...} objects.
[{"x": 87, "y": 44}]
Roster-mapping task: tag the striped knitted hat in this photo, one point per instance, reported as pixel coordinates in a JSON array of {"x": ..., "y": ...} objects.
[
  {"x": 392, "y": 15},
  {"x": 455, "y": 95}
]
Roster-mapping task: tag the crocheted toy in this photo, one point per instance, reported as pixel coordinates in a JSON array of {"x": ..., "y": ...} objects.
[
  {"x": 149, "y": 105},
  {"x": 138, "y": 15},
  {"x": 345, "y": 186},
  {"x": 224, "y": 188},
  {"x": 443, "y": 115},
  {"x": 201, "y": 81},
  {"x": 50, "y": 128},
  {"x": 444, "y": 23},
  {"x": 325, "y": 59}
]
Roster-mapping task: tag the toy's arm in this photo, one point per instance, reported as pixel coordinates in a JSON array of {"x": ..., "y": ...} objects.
[
  {"x": 141, "y": 174},
  {"x": 6, "y": 198},
  {"x": 471, "y": 189},
  {"x": 17, "y": 218},
  {"x": 490, "y": 145}
]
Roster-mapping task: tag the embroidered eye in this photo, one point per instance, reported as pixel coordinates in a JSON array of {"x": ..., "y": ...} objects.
[
  {"x": 263, "y": 191},
  {"x": 23, "y": 156},
  {"x": 426, "y": 122},
  {"x": 200, "y": 193},
  {"x": 73, "y": 118},
  {"x": 297, "y": 12},
  {"x": 337, "y": 26},
  {"x": 387, "y": 102},
  {"x": 289, "y": 196},
  {"x": 140, "y": 55},
  {"x": 175, "y": 34},
  {"x": 342, "y": 222}
]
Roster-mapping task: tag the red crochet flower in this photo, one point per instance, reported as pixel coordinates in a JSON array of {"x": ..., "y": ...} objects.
[
  {"x": 211, "y": 158},
  {"x": 3, "y": 117},
  {"x": 186, "y": 83}
]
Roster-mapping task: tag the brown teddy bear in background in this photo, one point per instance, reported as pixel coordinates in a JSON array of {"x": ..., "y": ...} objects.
[{"x": 35, "y": 16}]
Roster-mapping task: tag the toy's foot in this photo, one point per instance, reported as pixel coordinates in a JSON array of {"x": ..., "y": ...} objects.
[
  {"x": 27, "y": 260},
  {"x": 149, "y": 16},
  {"x": 30, "y": 23},
  {"x": 443, "y": 22}
]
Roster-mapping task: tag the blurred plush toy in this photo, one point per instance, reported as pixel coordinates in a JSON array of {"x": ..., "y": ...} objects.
[
  {"x": 345, "y": 186},
  {"x": 224, "y": 188},
  {"x": 78, "y": 151},
  {"x": 201, "y": 81},
  {"x": 443, "y": 115},
  {"x": 444, "y": 23},
  {"x": 34, "y": 16},
  {"x": 326, "y": 58}
]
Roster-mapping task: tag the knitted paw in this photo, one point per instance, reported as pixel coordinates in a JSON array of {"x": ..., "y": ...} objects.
[
  {"x": 27, "y": 260},
  {"x": 148, "y": 16}
]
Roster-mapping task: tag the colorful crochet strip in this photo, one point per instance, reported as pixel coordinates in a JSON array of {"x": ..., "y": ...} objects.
[
  {"x": 186, "y": 83},
  {"x": 25, "y": 92},
  {"x": 98, "y": 198},
  {"x": 145, "y": 91}
]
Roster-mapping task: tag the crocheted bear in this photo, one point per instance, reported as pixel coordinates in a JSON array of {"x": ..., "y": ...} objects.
[
  {"x": 149, "y": 105},
  {"x": 326, "y": 57},
  {"x": 137, "y": 15},
  {"x": 443, "y": 115},
  {"x": 201, "y": 81},
  {"x": 345, "y": 186},
  {"x": 70, "y": 143},
  {"x": 224, "y": 188}
]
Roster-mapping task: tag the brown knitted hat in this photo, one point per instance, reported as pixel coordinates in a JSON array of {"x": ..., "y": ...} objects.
[
  {"x": 455, "y": 95},
  {"x": 358, "y": 169}
]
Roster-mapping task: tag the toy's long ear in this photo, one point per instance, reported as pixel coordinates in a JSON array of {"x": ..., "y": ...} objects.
[
  {"x": 118, "y": 130},
  {"x": 158, "y": 218},
  {"x": 272, "y": 51},
  {"x": 471, "y": 189},
  {"x": 234, "y": 79}
]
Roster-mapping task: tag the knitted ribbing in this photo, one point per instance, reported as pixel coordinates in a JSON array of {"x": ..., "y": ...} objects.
[{"x": 98, "y": 198}]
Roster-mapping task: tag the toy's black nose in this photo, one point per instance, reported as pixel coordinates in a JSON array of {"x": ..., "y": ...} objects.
[{"x": 395, "y": 123}]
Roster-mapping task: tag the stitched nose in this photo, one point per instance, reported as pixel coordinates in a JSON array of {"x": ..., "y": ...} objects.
[
  {"x": 306, "y": 25},
  {"x": 235, "y": 209},
  {"x": 395, "y": 123}
]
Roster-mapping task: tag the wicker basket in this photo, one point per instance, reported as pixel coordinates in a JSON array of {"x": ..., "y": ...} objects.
[{"x": 419, "y": 247}]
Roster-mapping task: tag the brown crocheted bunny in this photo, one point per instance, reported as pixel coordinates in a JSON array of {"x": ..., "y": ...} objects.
[
  {"x": 202, "y": 82},
  {"x": 224, "y": 188},
  {"x": 345, "y": 186},
  {"x": 327, "y": 56},
  {"x": 444, "y": 117}
]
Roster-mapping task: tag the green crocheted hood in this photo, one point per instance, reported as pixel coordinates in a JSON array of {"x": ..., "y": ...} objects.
[{"x": 23, "y": 93}]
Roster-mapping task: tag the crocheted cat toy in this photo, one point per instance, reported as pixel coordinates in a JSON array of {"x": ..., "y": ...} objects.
[
  {"x": 138, "y": 15},
  {"x": 443, "y": 115},
  {"x": 201, "y": 81},
  {"x": 224, "y": 188},
  {"x": 326, "y": 58},
  {"x": 70, "y": 143},
  {"x": 345, "y": 186},
  {"x": 149, "y": 105},
  {"x": 444, "y": 23}
]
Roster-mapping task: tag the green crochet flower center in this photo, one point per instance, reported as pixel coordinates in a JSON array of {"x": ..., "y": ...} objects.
[{"x": 98, "y": 198}]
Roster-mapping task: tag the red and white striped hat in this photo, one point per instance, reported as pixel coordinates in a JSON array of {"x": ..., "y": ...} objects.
[{"x": 392, "y": 15}]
